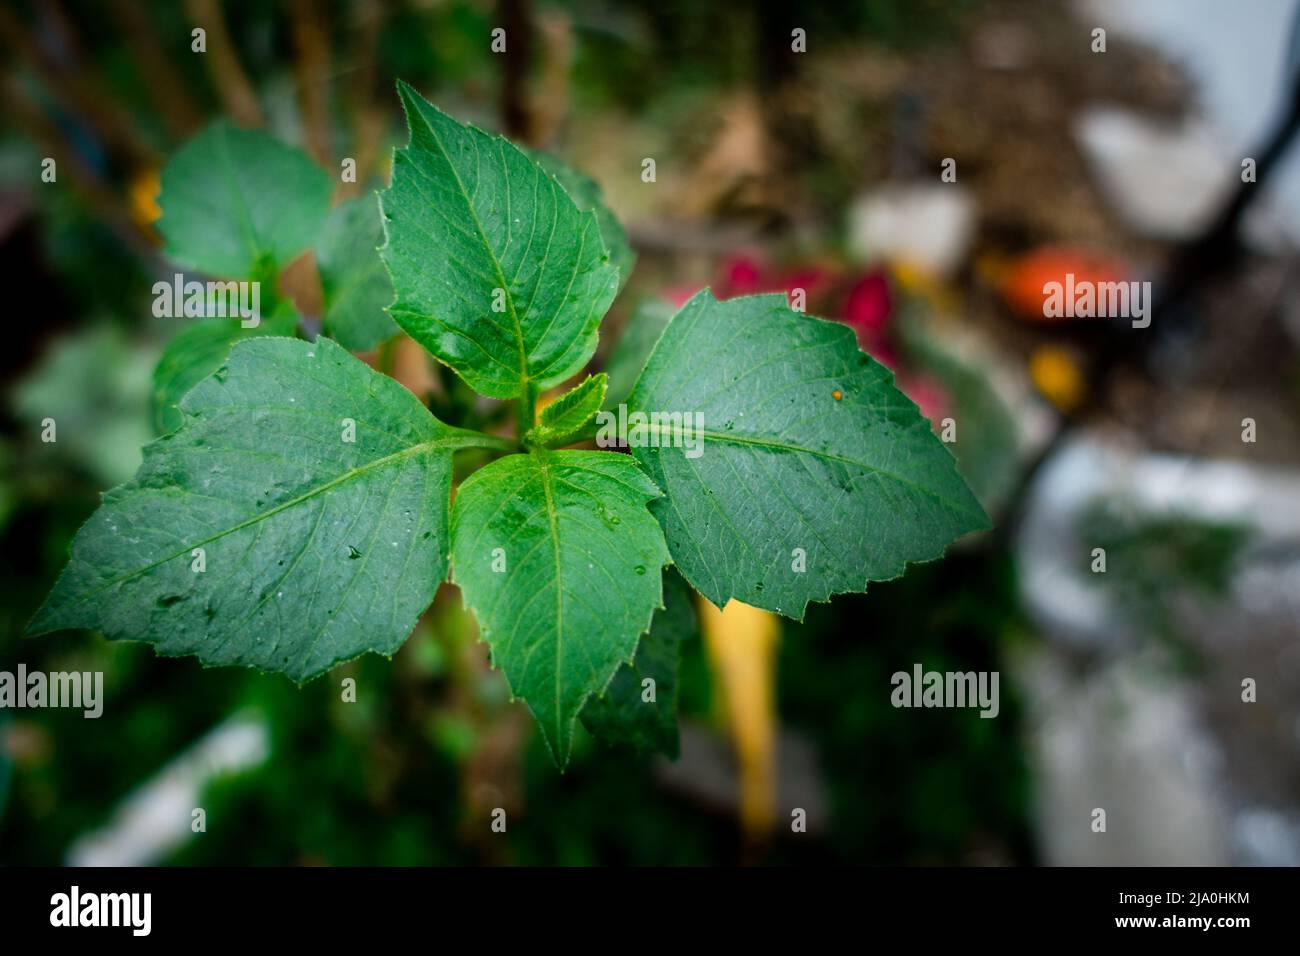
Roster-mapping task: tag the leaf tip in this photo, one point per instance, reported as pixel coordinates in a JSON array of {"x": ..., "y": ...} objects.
[{"x": 44, "y": 621}]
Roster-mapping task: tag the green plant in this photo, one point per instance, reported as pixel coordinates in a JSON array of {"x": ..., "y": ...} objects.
[{"x": 299, "y": 513}]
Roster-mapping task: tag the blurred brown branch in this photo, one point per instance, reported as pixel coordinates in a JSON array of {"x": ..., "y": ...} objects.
[
  {"x": 224, "y": 69},
  {"x": 367, "y": 120},
  {"x": 164, "y": 82},
  {"x": 311, "y": 70}
]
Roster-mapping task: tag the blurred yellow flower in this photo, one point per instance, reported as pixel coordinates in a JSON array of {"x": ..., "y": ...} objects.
[
  {"x": 1057, "y": 376},
  {"x": 143, "y": 191}
]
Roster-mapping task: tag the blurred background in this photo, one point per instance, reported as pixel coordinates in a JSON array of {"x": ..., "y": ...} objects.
[{"x": 777, "y": 169}]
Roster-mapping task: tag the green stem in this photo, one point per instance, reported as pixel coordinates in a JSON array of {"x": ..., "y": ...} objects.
[
  {"x": 527, "y": 410},
  {"x": 268, "y": 279}
]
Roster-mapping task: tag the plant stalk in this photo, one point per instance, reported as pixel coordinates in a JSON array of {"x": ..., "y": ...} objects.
[{"x": 527, "y": 410}]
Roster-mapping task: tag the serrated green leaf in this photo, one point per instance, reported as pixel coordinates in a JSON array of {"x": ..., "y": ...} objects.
[
  {"x": 239, "y": 203},
  {"x": 808, "y": 456},
  {"x": 565, "y": 416},
  {"x": 560, "y": 560},
  {"x": 622, "y": 714},
  {"x": 315, "y": 548},
  {"x": 640, "y": 333},
  {"x": 473, "y": 223},
  {"x": 198, "y": 351},
  {"x": 355, "y": 283},
  {"x": 587, "y": 194}
]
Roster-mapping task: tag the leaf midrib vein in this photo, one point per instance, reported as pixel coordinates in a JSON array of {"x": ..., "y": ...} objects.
[
  {"x": 452, "y": 442},
  {"x": 553, "y": 518},
  {"x": 496, "y": 263},
  {"x": 775, "y": 445}
]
